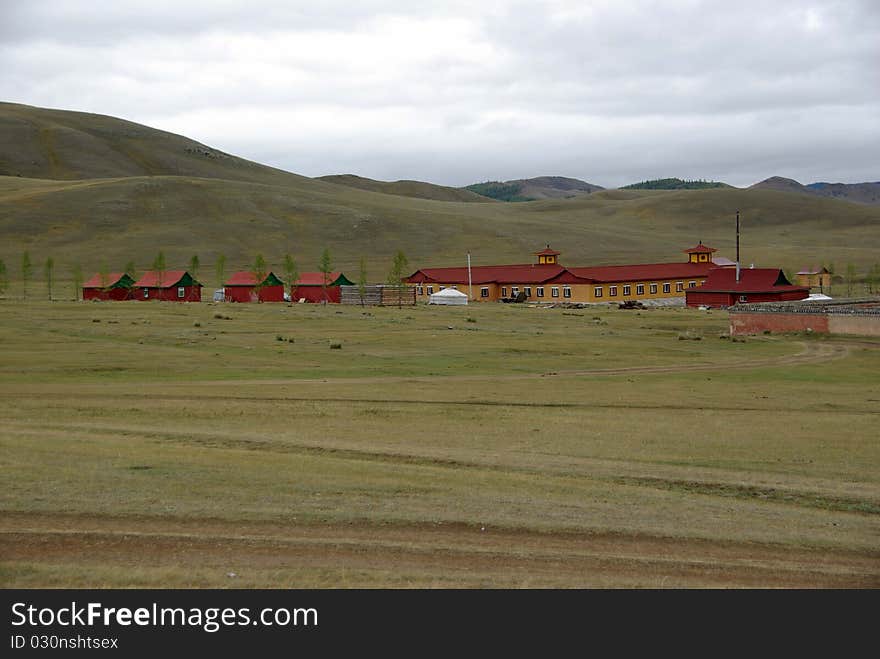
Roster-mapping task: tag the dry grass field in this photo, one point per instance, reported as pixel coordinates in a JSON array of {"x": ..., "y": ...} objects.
[{"x": 202, "y": 445}]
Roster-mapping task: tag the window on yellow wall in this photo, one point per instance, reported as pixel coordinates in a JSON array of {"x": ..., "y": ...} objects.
[
  {"x": 527, "y": 290},
  {"x": 539, "y": 291},
  {"x": 554, "y": 291},
  {"x": 597, "y": 291},
  {"x": 420, "y": 290},
  {"x": 566, "y": 291},
  {"x": 612, "y": 291},
  {"x": 653, "y": 288},
  {"x": 667, "y": 287},
  {"x": 640, "y": 289},
  {"x": 504, "y": 291},
  {"x": 627, "y": 289},
  {"x": 691, "y": 284},
  {"x": 430, "y": 290},
  {"x": 514, "y": 291},
  {"x": 679, "y": 286},
  {"x": 484, "y": 291}
]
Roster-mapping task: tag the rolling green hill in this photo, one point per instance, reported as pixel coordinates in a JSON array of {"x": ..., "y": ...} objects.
[
  {"x": 532, "y": 189},
  {"x": 674, "y": 184},
  {"x": 417, "y": 189},
  {"x": 58, "y": 144},
  {"x": 237, "y": 208}
]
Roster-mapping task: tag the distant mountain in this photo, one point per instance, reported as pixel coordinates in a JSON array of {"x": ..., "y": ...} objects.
[
  {"x": 416, "y": 189},
  {"x": 860, "y": 193},
  {"x": 531, "y": 189},
  {"x": 782, "y": 184},
  {"x": 674, "y": 184}
]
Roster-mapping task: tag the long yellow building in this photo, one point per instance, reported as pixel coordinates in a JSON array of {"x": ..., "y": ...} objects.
[{"x": 548, "y": 281}]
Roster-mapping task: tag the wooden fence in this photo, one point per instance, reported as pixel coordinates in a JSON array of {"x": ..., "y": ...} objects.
[{"x": 380, "y": 295}]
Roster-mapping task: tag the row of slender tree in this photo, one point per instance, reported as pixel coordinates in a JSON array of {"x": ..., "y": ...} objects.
[{"x": 259, "y": 268}]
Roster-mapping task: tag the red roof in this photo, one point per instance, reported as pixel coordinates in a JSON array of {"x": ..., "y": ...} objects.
[
  {"x": 150, "y": 279},
  {"x": 108, "y": 280},
  {"x": 245, "y": 278},
  {"x": 548, "y": 252},
  {"x": 643, "y": 272},
  {"x": 751, "y": 280},
  {"x": 530, "y": 273},
  {"x": 700, "y": 249},
  {"x": 317, "y": 278}
]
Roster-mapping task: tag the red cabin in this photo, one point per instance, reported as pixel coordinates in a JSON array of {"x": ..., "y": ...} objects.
[
  {"x": 112, "y": 286},
  {"x": 170, "y": 286},
  {"x": 722, "y": 289},
  {"x": 243, "y": 287},
  {"x": 310, "y": 287}
]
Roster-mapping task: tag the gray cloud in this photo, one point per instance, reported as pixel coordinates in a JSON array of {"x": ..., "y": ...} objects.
[{"x": 456, "y": 92}]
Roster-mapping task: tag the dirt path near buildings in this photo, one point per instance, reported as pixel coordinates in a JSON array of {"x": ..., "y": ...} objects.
[{"x": 207, "y": 551}]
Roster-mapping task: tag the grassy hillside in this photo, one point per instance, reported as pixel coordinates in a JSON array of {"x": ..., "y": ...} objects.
[
  {"x": 58, "y": 144},
  {"x": 239, "y": 208},
  {"x": 532, "y": 189},
  {"x": 417, "y": 189}
]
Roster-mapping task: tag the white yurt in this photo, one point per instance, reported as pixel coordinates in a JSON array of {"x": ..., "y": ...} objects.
[{"x": 448, "y": 296}]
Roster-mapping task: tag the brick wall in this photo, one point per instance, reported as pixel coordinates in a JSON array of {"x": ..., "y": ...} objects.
[{"x": 757, "y": 323}]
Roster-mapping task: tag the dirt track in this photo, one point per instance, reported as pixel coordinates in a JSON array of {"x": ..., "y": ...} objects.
[{"x": 259, "y": 553}]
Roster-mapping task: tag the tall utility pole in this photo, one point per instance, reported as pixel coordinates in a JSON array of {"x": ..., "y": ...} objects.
[{"x": 737, "y": 245}]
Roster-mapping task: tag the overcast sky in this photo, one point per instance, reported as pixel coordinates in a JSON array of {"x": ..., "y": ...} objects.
[{"x": 460, "y": 92}]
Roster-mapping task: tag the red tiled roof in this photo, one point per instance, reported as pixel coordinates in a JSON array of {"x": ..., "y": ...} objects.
[
  {"x": 109, "y": 279},
  {"x": 643, "y": 272},
  {"x": 751, "y": 280},
  {"x": 530, "y": 273},
  {"x": 150, "y": 279},
  {"x": 245, "y": 278},
  {"x": 700, "y": 249},
  {"x": 548, "y": 252}
]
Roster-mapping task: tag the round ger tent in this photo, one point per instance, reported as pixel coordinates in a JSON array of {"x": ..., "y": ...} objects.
[{"x": 448, "y": 296}]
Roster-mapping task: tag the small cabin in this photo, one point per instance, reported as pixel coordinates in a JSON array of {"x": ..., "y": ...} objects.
[
  {"x": 168, "y": 285},
  {"x": 108, "y": 286}
]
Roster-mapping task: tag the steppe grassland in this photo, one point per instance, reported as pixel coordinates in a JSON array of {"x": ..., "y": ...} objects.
[{"x": 595, "y": 447}]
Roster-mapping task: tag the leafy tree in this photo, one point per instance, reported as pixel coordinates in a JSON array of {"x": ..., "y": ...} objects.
[
  {"x": 325, "y": 269},
  {"x": 49, "y": 274},
  {"x": 675, "y": 184},
  {"x": 27, "y": 269},
  {"x": 396, "y": 275},
  {"x": 258, "y": 270},
  {"x": 873, "y": 278},
  {"x": 291, "y": 271},
  {"x": 4, "y": 277},
  {"x": 160, "y": 266},
  {"x": 850, "y": 278},
  {"x": 76, "y": 274},
  {"x": 194, "y": 266},
  {"x": 104, "y": 275},
  {"x": 131, "y": 270},
  {"x": 219, "y": 268},
  {"x": 501, "y": 191},
  {"x": 362, "y": 280}
]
